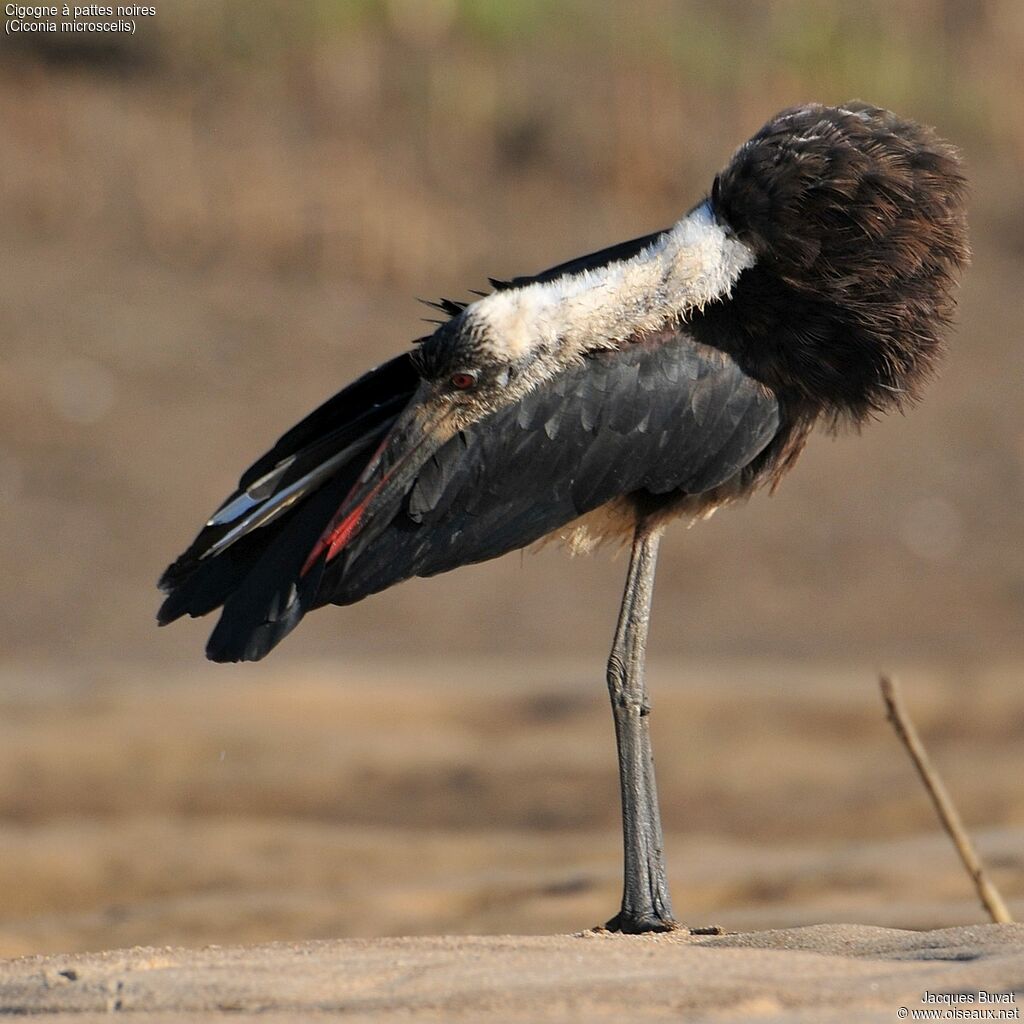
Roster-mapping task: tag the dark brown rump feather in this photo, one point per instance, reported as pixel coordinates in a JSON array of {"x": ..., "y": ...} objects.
[{"x": 858, "y": 223}]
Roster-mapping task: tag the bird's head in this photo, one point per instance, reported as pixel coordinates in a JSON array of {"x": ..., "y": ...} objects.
[
  {"x": 466, "y": 372},
  {"x": 856, "y": 221},
  {"x": 462, "y": 377}
]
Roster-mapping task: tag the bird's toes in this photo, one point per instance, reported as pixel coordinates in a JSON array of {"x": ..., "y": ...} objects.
[{"x": 641, "y": 924}]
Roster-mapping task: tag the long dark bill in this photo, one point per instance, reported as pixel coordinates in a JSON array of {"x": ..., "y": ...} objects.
[{"x": 420, "y": 430}]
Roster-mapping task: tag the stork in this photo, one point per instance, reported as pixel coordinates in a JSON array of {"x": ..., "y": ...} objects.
[{"x": 655, "y": 380}]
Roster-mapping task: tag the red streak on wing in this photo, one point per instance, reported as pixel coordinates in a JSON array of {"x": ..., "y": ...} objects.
[{"x": 337, "y": 536}]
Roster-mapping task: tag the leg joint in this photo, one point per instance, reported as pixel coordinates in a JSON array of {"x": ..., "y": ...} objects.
[{"x": 631, "y": 705}]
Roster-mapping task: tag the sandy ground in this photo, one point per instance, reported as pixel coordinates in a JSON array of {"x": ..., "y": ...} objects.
[
  {"x": 254, "y": 805},
  {"x": 825, "y": 973}
]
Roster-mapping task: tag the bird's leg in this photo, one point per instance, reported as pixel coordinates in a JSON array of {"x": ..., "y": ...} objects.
[{"x": 646, "y": 905}]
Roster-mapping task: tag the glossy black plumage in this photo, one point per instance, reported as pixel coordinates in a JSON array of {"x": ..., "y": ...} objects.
[
  {"x": 663, "y": 416},
  {"x": 667, "y": 415}
]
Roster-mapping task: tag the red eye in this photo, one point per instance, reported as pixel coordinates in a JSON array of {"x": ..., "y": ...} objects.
[{"x": 463, "y": 380}]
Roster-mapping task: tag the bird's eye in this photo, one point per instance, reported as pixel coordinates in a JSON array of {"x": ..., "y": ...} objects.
[{"x": 463, "y": 380}]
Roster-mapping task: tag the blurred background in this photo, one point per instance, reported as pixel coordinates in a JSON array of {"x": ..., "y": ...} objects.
[{"x": 211, "y": 225}]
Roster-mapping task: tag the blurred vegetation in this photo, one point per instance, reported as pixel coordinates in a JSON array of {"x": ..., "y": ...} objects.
[{"x": 301, "y": 106}]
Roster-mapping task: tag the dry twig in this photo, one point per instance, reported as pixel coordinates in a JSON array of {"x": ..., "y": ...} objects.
[{"x": 988, "y": 893}]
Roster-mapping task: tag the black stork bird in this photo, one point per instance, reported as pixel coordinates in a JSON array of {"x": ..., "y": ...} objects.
[{"x": 653, "y": 380}]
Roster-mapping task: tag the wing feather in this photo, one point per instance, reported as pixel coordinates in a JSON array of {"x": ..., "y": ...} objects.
[
  {"x": 662, "y": 415},
  {"x": 331, "y": 442}
]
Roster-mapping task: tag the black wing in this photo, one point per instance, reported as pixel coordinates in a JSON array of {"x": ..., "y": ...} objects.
[
  {"x": 664, "y": 415},
  {"x": 592, "y": 261},
  {"x": 659, "y": 416},
  {"x": 267, "y": 518}
]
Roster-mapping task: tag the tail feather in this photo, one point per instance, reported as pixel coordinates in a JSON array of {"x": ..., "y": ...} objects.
[
  {"x": 196, "y": 586},
  {"x": 272, "y": 598}
]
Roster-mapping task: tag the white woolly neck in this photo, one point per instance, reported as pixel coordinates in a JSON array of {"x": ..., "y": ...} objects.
[{"x": 687, "y": 267}]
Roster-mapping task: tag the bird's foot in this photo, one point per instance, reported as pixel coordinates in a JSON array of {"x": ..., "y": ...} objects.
[
  {"x": 633, "y": 924},
  {"x": 640, "y": 924}
]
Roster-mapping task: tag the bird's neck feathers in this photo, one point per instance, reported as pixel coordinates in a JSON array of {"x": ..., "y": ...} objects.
[{"x": 687, "y": 267}]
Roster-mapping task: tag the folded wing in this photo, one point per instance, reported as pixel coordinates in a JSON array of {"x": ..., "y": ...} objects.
[{"x": 658, "y": 416}]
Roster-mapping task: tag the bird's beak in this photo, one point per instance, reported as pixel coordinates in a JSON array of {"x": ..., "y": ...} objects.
[{"x": 419, "y": 431}]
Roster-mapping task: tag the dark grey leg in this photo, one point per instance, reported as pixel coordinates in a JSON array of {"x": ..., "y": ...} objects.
[{"x": 646, "y": 905}]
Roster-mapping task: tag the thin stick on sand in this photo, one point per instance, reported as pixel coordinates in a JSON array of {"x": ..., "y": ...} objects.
[{"x": 988, "y": 893}]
